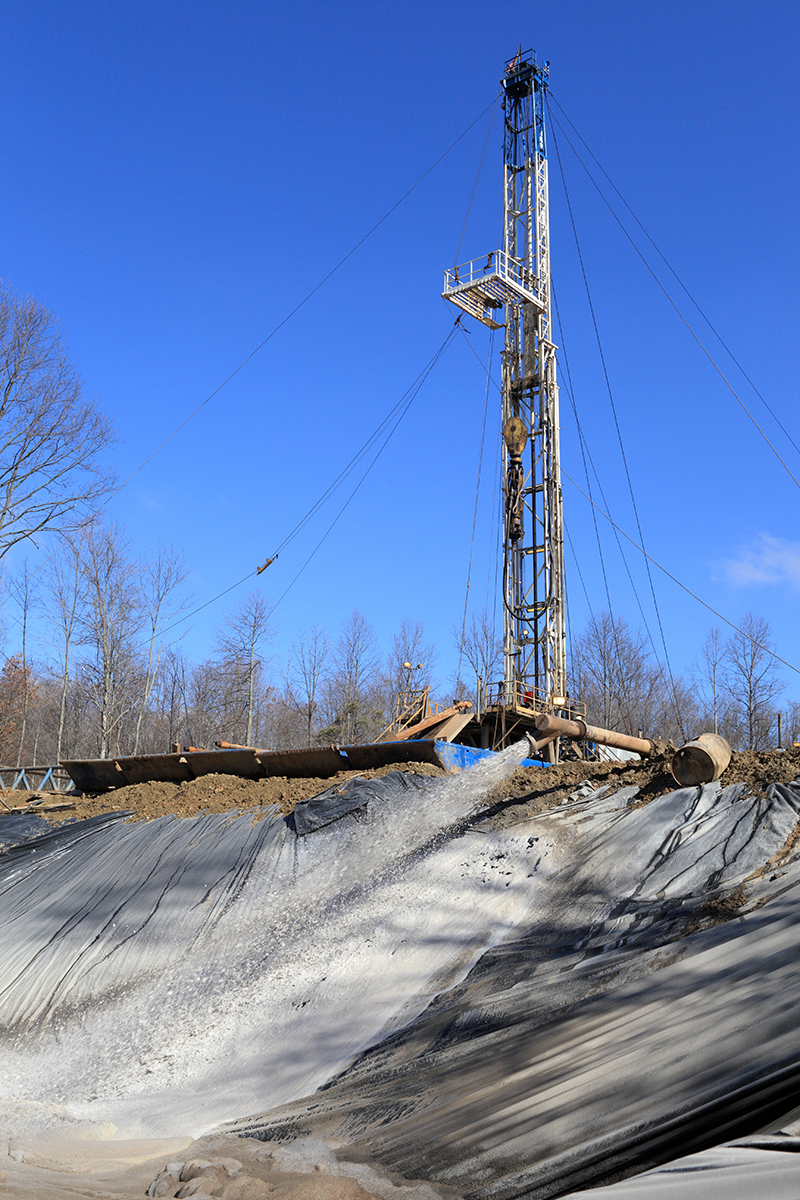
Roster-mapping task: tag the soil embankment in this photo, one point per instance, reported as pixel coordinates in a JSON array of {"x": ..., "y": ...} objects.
[{"x": 527, "y": 791}]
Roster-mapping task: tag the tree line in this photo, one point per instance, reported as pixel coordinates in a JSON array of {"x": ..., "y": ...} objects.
[
  {"x": 92, "y": 675},
  {"x": 733, "y": 687}
]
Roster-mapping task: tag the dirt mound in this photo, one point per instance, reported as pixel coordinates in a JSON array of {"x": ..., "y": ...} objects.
[
  {"x": 530, "y": 790},
  {"x": 208, "y": 794},
  {"x": 526, "y": 791}
]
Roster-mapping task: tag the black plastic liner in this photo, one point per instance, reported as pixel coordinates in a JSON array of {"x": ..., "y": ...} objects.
[{"x": 352, "y": 797}]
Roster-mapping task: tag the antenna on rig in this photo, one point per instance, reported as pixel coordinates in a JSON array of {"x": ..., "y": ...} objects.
[{"x": 516, "y": 279}]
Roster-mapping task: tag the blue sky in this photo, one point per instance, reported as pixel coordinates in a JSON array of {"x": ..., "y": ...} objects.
[{"x": 178, "y": 177}]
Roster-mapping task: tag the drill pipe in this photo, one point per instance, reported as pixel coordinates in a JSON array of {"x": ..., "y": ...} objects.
[{"x": 604, "y": 737}]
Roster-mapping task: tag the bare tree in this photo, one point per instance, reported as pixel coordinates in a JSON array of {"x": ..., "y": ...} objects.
[
  {"x": 282, "y": 725},
  {"x": 709, "y": 673},
  {"x": 13, "y": 685},
  {"x": 410, "y": 664},
  {"x": 50, "y": 435},
  {"x": 205, "y": 705},
  {"x": 791, "y": 728},
  {"x": 170, "y": 697},
  {"x": 615, "y": 677},
  {"x": 160, "y": 578},
  {"x": 240, "y": 644},
  {"x": 64, "y": 589},
  {"x": 481, "y": 647},
  {"x": 751, "y": 684},
  {"x": 110, "y": 622},
  {"x": 353, "y": 703},
  {"x": 674, "y": 713},
  {"x": 25, "y": 599},
  {"x": 304, "y": 674}
]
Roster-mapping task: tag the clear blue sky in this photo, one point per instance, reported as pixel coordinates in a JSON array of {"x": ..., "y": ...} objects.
[{"x": 177, "y": 177}]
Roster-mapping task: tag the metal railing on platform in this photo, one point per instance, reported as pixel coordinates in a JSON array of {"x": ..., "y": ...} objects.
[
  {"x": 524, "y": 696},
  {"x": 479, "y": 287}
]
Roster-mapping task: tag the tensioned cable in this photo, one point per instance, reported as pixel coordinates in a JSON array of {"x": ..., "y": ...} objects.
[
  {"x": 397, "y": 413},
  {"x": 279, "y": 326},
  {"x": 496, "y": 514},
  {"x": 610, "y": 607},
  {"x": 477, "y": 491},
  {"x": 616, "y": 419},
  {"x": 496, "y": 524},
  {"x": 413, "y": 388},
  {"x": 680, "y": 282},
  {"x": 696, "y": 337},
  {"x": 477, "y": 177},
  {"x": 567, "y": 631},
  {"x": 578, "y": 568},
  {"x": 584, "y": 451},
  {"x": 416, "y": 386},
  {"x": 306, "y": 298},
  {"x": 683, "y": 586}
]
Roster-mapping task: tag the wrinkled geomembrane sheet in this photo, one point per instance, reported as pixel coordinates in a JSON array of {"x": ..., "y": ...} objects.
[
  {"x": 16, "y": 828},
  {"x": 352, "y": 797},
  {"x": 611, "y": 1031},
  {"x": 524, "y": 1010},
  {"x": 767, "y": 1167}
]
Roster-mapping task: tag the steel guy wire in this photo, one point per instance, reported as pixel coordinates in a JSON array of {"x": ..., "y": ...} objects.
[
  {"x": 417, "y": 386},
  {"x": 616, "y": 421},
  {"x": 696, "y": 337},
  {"x": 477, "y": 492},
  {"x": 674, "y": 579},
  {"x": 671, "y": 269},
  {"x": 396, "y": 415},
  {"x": 578, "y": 569},
  {"x": 584, "y": 452}
]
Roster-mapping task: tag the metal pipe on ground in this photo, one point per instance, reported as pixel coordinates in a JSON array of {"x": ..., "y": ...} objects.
[
  {"x": 701, "y": 761},
  {"x": 537, "y": 744},
  {"x": 583, "y": 732}
]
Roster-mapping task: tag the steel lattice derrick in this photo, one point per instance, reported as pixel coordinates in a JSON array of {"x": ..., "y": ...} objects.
[
  {"x": 516, "y": 279},
  {"x": 534, "y": 633}
]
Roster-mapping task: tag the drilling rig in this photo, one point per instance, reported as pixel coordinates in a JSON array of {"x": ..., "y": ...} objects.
[{"x": 510, "y": 289}]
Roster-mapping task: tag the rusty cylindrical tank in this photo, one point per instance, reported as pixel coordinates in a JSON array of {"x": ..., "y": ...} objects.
[{"x": 700, "y": 761}]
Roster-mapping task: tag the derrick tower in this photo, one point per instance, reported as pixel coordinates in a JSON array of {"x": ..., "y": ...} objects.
[{"x": 511, "y": 289}]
